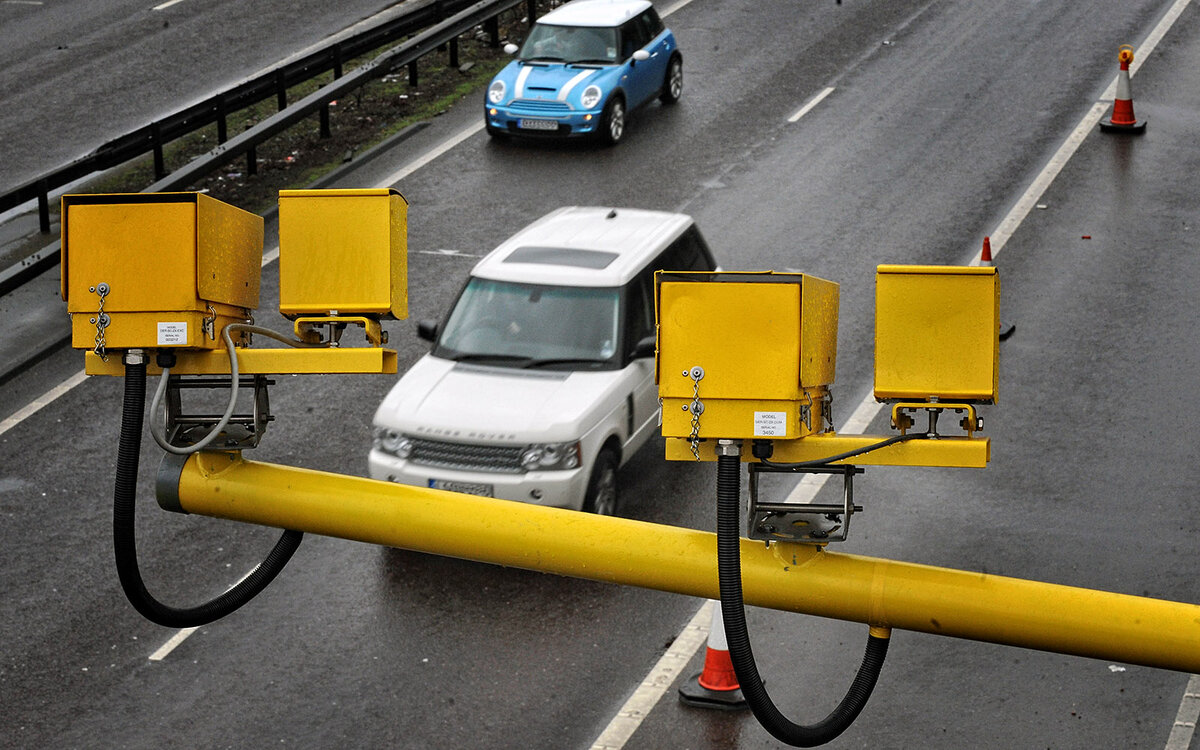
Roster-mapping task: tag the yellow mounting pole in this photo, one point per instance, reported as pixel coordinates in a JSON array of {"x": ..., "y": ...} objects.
[{"x": 784, "y": 576}]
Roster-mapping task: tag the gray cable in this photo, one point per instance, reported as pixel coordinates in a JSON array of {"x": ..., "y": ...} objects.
[{"x": 156, "y": 427}]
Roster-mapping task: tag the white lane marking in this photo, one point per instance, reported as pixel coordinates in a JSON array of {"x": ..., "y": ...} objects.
[
  {"x": 1185, "y": 720},
  {"x": 1029, "y": 199},
  {"x": 33, "y": 407},
  {"x": 168, "y": 4},
  {"x": 170, "y": 645},
  {"x": 811, "y": 103},
  {"x": 23, "y": 2},
  {"x": 661, "y": 677},
  {"x": 449, "y": 253},
  {"x": 867, "y": 409},
  {"x": 1189, "y": 706},
  {"x": 445, "y": 146}
]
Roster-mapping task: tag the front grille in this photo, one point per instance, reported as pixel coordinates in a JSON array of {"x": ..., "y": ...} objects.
[
  {"x": 496, "y": 458},
  {"x": 539, "y": 106}
]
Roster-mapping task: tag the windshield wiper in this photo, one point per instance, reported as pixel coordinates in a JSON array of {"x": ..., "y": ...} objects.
[
  {"x": 544, "y": 58},
  {"x": 535, "y": 363},
  {"x": 478, "y": 357}
]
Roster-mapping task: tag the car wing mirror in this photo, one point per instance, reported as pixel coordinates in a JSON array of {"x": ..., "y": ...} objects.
[
  {"x": 644, "y": 347},
  {"x": 427, "y": 329},
  {"x": 641, "y": 55},
  {"x": 511, "y": 48}
]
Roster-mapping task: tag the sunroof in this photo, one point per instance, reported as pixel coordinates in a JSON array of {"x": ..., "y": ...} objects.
[{"x": 562, "y": 256}]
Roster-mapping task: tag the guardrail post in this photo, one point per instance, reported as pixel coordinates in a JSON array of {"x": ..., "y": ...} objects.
[
  {"x": 280, "y": 90},
  {"x": 454, "y": 52},
  {"x": 412, "y": 74},
  {"x": 492, "y": 27},
  {"x": 160, "y": 169},
  {"x": 43, "y": 206},
  {"x": 252, "y": 160},
  {"x": 325, "y": 131},
  {"x": 532, "y": 12},
  {"x": 222, "y": 125}
]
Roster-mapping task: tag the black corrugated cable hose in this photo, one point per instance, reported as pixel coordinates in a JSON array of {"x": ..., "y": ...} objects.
[
  {"x": 729, "y": 566},
  {"x": 125, "y": 544}
]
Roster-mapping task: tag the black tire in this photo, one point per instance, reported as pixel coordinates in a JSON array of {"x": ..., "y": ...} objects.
[
  {"x": 601, "y": 495},
  {"x": 612, "y": 121},
  {"x": 672, "y": 87},
  {"x": 496, "y": 133}
]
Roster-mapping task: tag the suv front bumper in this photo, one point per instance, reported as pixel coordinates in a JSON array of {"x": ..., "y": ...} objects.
[{"x": 555, "y": 489}]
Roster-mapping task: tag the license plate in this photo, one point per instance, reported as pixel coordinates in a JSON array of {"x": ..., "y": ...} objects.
[
  {"x": 538, "y": 124},
  {"x": 466, "y": 488}
]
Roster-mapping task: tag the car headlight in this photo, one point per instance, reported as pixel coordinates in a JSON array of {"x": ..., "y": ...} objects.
[
  {"x": 395, "y": 443},
  {"x": 550, "y": 456},
  {"x": 496, "y": 92},
  {"x": 591, "y": 97}
]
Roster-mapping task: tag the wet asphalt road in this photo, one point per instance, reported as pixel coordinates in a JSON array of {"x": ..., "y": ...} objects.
[{"x": 940, "y": 118}]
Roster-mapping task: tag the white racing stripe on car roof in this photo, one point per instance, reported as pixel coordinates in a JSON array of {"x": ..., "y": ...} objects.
[
  {"x": 566, "y": 89},
  {"x": 519, "y": 86}
]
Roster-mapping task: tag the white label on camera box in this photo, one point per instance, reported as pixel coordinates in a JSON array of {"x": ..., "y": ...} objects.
[
  {"x": 172, "y": 334},
  {"x": 770, "y": 424}
]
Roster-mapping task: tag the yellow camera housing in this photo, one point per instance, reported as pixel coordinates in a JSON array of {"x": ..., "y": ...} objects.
[
  {"x": 343, "y": 253},
  {"x": 765, "y": 345},
  {"x": 157, "y": 270},
  {"x": 937, "y": 333}
]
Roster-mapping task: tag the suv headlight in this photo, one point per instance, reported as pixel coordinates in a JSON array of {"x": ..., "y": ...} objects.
[
  {"x": 550, "y": 456},
  {"x": 496, "y": 92},
  {"x": 395, "y": 443},
  {"x": 591, "y": 97}
]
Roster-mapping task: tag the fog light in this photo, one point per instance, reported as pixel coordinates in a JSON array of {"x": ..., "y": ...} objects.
[{"x": 535, "y": 494}]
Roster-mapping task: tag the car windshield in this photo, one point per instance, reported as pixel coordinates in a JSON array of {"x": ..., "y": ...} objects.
[
  {"x": 570, "y": 44},
  {"x": 533, "y": 326}
]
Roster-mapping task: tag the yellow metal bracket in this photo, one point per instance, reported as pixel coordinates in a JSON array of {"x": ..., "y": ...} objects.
[
  {"x": 320, "y": 361},
  {"x": 903, "y": 421},
  {"x": 309, "y": 330},
  {"x": 945, "y": 452}
]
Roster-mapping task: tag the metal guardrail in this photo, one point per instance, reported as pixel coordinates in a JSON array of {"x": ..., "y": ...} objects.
[{"x": 152, "y": 137}]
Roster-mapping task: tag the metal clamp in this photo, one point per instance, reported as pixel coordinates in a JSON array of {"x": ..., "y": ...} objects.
[{"x": 811, "y": 523}]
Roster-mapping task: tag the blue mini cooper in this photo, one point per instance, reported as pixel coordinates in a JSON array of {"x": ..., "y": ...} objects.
[{"x": 584, "y": 67}]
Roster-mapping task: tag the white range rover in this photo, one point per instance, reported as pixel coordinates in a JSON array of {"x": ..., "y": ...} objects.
[{"x": 540, "y": 382}]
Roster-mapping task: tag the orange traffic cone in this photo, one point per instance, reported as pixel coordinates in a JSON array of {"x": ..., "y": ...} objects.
[
  {"x": 717, "y": 686},
  {"x": 985, "y": 259},
  {"x": 1123, "y": 120}
]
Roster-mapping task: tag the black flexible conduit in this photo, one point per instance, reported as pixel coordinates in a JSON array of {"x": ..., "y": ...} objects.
[
  {"x": 125, "y": 544},
  {"x": 729, "y": 565}
]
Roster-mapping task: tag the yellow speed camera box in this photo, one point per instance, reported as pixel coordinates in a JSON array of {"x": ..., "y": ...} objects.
[
  {"x": 937, "y": 333},
  {"x": 343, "y": 252},
  {"x": 763, "y": 346},
  {"x": 148, "y": 270}
]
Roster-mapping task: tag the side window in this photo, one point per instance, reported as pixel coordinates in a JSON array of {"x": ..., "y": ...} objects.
[
  {"x": 689, "y": 252},
  {"x": 633, "y": 38},
  {"x": 651, "y": 24},
  {"x": 639, "y": 315}
]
